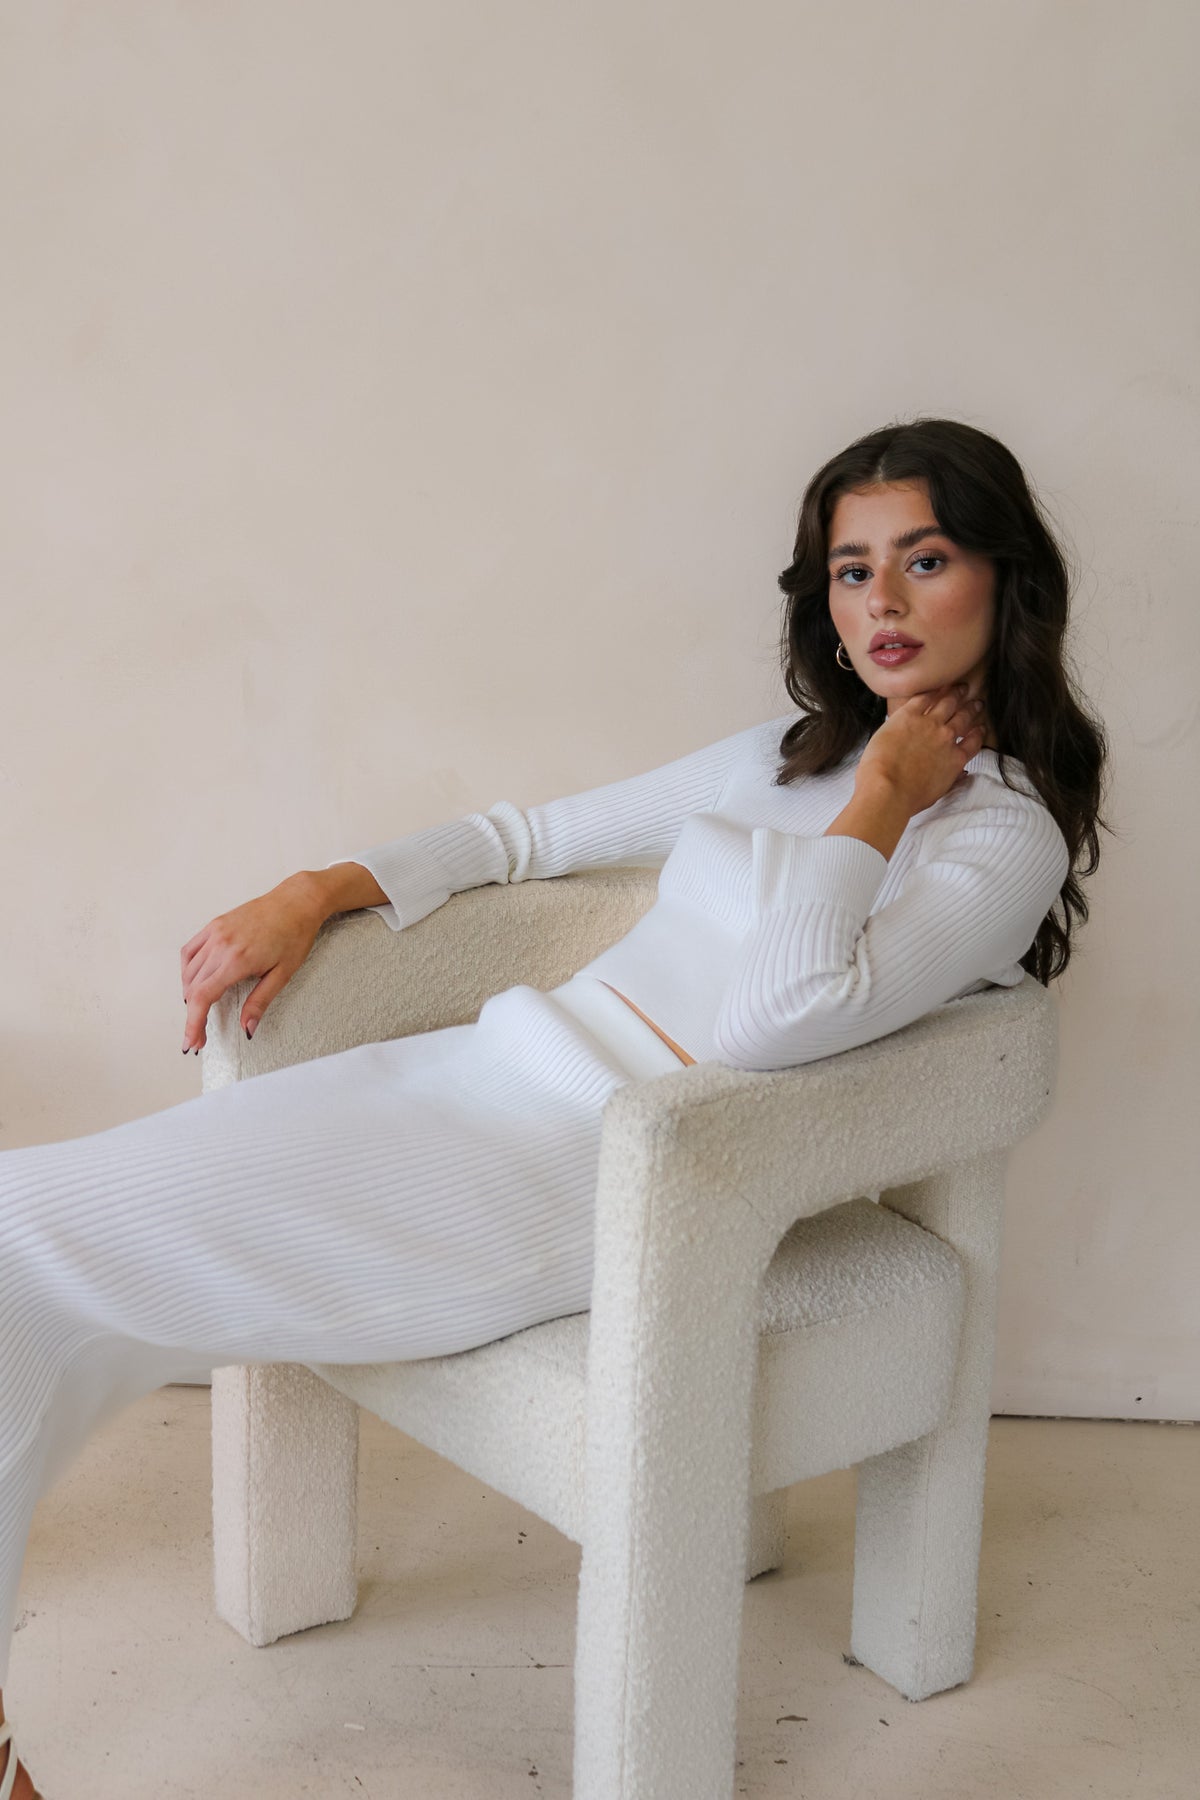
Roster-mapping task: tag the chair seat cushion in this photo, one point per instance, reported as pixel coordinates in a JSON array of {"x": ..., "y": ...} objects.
[{"x": 860, "y": 1312}]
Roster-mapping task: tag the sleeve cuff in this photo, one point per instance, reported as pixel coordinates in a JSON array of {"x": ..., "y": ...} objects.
[
  {"x": 842, "y": 871},
  {"x": 412, "y": 879}
]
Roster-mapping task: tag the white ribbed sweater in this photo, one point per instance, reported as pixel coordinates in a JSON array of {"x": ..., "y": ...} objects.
[{"x": 770, "y": 944}]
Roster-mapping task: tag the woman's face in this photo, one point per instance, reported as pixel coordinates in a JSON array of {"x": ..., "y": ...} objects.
[{"x": 892, "y": 568}]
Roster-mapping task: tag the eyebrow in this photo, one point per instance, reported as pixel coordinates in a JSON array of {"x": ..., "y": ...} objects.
[{"x": 904, "y": 542}]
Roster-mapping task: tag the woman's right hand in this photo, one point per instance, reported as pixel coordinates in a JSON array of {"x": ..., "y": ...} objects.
[{"x": 268, "y": 937}]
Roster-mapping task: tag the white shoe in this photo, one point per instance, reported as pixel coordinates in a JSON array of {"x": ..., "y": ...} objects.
[{"x": 8, "y": 1779}]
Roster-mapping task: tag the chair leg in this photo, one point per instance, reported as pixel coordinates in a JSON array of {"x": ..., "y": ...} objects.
[
  {"x": 667, "y": 1525},
  {"x": 285, "y": 1475},
  {"x": 919, "y": 1509},
  {"x": 768, "y": 1532}
]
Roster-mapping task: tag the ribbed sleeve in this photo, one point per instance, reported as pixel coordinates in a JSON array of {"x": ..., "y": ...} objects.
[
  {"x": 634, "y": 821},
  {"x": 816, "y": 974}
]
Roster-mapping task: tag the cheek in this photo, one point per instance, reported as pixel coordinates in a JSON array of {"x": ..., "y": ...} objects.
[{"x": 966, "y": 612}]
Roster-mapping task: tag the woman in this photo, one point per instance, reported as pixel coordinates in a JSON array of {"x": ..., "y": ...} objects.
[{"x": 828, "y": 878}]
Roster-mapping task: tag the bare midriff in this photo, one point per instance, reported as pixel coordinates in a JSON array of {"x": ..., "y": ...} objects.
[{"x": 669, "y": 1042}]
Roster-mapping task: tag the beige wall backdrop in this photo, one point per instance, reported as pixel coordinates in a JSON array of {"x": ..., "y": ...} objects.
[{"x": 407, "y": 406}]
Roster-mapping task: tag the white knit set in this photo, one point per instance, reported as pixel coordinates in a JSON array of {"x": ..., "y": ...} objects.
[{"x": 421, "y": 1196}]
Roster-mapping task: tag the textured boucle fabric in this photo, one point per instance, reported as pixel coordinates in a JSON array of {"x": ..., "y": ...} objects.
[
  {"x": 853, "y": 1287},
  {"x": 754, "y": 1318},
  {"x": 285, "y": 1473}
]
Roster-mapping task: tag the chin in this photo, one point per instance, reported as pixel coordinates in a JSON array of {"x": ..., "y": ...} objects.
[{"x": 902, "y": 684}]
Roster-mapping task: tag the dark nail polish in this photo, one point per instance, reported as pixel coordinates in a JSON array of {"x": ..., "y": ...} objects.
[{"x": 249, "y": 1030}]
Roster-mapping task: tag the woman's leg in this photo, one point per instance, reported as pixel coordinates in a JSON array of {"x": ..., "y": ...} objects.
[{"x": 398, "y": 1200}]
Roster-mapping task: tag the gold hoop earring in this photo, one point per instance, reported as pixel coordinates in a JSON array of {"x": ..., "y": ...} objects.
[{"x": 838, "y": 656}]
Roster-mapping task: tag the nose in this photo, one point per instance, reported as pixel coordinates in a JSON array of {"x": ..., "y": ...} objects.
[{"x": 884, "y": 596}]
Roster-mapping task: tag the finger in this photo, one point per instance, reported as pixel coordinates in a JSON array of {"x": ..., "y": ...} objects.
[
  {"x": 261, "y": 996},
  {"x": 941, "y": 700},
  {"x": 923, "y": 703},
  {"x": 206, "y": 990},
  {"x": 203, "y": 969},
  {"x": 946, "y": 705},
  {"x": 190, "y": 951},
  {"x": 195, "y": 1020},
  {"x": 195, "y": 1024},
  {"x": 195, "y": 942},
  {"x": 199, "y": 946},
  {"x": 213, "y": 948}
]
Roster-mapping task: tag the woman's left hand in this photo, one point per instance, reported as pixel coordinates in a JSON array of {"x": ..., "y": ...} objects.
[{"x": 922, "y": 748}]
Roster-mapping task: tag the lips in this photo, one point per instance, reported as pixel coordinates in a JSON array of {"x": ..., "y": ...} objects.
[
  {"x": 892, "y": 637},
  {"x": 894, "y": 656}
]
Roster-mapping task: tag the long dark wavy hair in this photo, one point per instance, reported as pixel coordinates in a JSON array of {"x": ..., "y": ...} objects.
[{"x": 982, "y": 500}]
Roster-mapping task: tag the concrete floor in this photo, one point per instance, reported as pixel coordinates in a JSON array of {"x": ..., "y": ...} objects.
[{"x": 453, "y": 1680}]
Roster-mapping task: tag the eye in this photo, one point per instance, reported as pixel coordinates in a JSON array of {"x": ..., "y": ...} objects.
[{"x": 928, "y": 556}]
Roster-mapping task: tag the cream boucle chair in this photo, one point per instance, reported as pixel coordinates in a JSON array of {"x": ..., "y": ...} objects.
[{"x": 794, "y": 1272}]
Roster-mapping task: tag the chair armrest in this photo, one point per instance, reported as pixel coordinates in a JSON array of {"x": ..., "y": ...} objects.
[
  {"x": 363, "y": 983},
  {"x": 710, "y": 1150},
  {"x": 702, "y": 1171}
]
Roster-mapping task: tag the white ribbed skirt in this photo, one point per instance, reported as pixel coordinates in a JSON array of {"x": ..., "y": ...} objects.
[{"x": 403, "y": 1199}]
